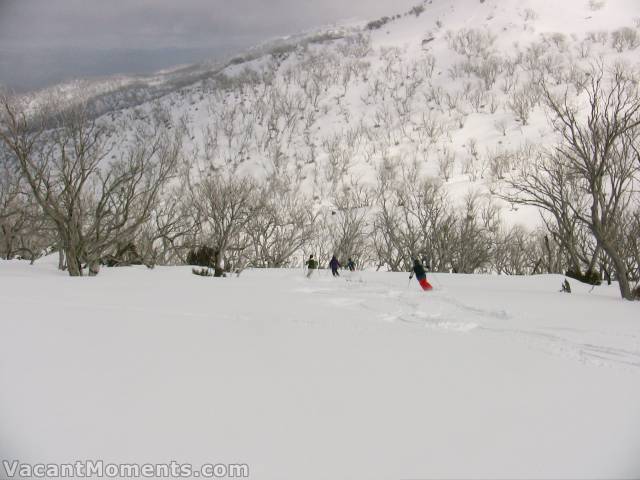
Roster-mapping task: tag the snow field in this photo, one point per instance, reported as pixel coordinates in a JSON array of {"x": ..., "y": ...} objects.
[{"x": 360, "y": 377}]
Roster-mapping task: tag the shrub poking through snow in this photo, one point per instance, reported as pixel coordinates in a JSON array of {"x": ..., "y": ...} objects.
[
  {"x": 417, "y": 10},
  {"x": 590, "y": 277},
  {"x": 378, "y": 24},
  {"x": 201, "y": 257}
]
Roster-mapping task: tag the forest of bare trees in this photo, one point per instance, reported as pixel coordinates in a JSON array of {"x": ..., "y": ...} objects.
[{"x": 102, "y": 193}]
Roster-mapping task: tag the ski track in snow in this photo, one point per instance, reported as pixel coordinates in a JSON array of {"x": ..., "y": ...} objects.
[
  {"x": 588, "y": 353},
  {"x": 440, "y": 312},
  {"x": 183, "y": 365}
]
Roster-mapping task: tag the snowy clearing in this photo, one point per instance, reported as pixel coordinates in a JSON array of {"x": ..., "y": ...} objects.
[{"x": 354, "y": 378}]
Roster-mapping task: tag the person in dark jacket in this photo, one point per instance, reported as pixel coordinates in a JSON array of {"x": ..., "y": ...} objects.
[
  {"x": 421, "y": 275},
  {"x": 311, "y": 265},
  {"x": 351, "y": 266},
  {"x": 335, "y": 265}
]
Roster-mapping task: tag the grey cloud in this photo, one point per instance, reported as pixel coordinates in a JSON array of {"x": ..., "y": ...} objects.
[{"x": 34, "y": 27}]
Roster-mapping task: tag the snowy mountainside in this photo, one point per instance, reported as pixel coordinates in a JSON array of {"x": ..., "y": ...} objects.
[
  {"x": 121, "y": 91},
  {"x": 446, "y": 90}
]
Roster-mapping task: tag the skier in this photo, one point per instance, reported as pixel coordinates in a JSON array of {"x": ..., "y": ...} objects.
[
  {"x": 334, "y": 264},
  {"x": 311, "y": 265},
  {"x": 421, "y": 275},
  {"x": 351, "y": 265}
]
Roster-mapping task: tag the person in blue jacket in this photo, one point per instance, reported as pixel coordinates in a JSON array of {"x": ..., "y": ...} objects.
[{"x": 335, "y": 265}]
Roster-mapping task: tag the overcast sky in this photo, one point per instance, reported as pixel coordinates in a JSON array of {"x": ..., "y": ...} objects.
[{"x": 46, "y": 41}]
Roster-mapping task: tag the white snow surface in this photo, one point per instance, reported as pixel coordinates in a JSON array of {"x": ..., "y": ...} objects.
[{"x": 361, "y": 377}]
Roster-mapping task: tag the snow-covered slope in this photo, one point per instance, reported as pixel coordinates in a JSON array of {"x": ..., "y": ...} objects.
[
  {"x": 353, "y": 378},
  {"x": 359, "y": 377},
  {"x": 450, "y": 88}
]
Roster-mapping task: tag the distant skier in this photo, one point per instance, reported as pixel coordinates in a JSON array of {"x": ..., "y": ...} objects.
[
  {"x": 421, "y": 275},
  {"x": 335, "y": 265},
  {"x": 351, "y": 266},
  {"x": 311, "y": 265}
]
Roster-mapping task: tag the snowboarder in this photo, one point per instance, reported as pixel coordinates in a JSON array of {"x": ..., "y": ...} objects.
[
  {"x": 334, "y": 264},
  {"x": 311, "y": 265},
  {"x": 351, "y": 265},
  {"x": 421, "y": 275}
]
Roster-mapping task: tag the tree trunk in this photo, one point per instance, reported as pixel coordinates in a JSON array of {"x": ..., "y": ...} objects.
[
  {"x": 535, "y": 269},
  {"x": 607, "y": 275},
  {"x": 61, "y": 263},
  {"x": 94, "y": 268},
  {"x": 73, "y": 262},
  {"x": 7, "y": 244},
  {"x": 548, "y": 247},
  {"x": 620, "y": 269},
  {"x": 594, "y": 259},
  {"x": 217, "y": 269}
]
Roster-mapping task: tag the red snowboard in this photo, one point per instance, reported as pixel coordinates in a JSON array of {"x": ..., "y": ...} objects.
[{"x": 426, "y": 286}]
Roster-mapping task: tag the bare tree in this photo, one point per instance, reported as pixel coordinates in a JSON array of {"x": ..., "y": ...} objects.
[
  {"x": 521, "y": 104},
  {"x": 167, "y": 237},
  {"x": 350, "y": 223},
  {"x": 23, "y": 228},
  {"x": 547, "y": 183},
  {"x": 92, "y": 202},
  {"x": 472, "y": 43},
  {"x": 625, "y": 38},
  {"x": 473, "y": 241},
  {"x": 446, "y": 161},
  {"x": 389, "y": 241},
  {"x": 518, "y": 252},
  {"x": 283, "y": 226},
  {"x": 601, "y": 151},
  {"x": 224, "y": 205},
  {"x": 413, "y": 220},
  {"x": 631, "y": 240}
]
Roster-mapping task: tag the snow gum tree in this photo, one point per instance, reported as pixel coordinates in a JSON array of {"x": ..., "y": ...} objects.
[
  {"x": 224, "y": 205},
  {"x": 284, "y": 224},
  {"x": 349, "y": 226},
  {"x": 588, "y": 179},
  {"x": 93, "y": 200},
  {"x": 23, "y": 229},
  {"x": 601, "y": 149}
]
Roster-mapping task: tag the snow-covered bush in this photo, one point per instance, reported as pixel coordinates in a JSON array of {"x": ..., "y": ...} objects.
[
  {"x": 477, "y": 98},
  {"x": 530, "y": 15},
  {"x": 446, "y": 162},
  {"x": 202, "y": 257},
  {"x": 625, "y": 38},
  {"x": 488, "y": 70},
  {"x": 417, "y": 10},
  {"x": 601, "y": 37},
  {"x": 377, "y": 24},
  {"x": 472, "y": 43},
  {"x": 521, "y": 103},
  {"x": 427, "y": 65}
]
